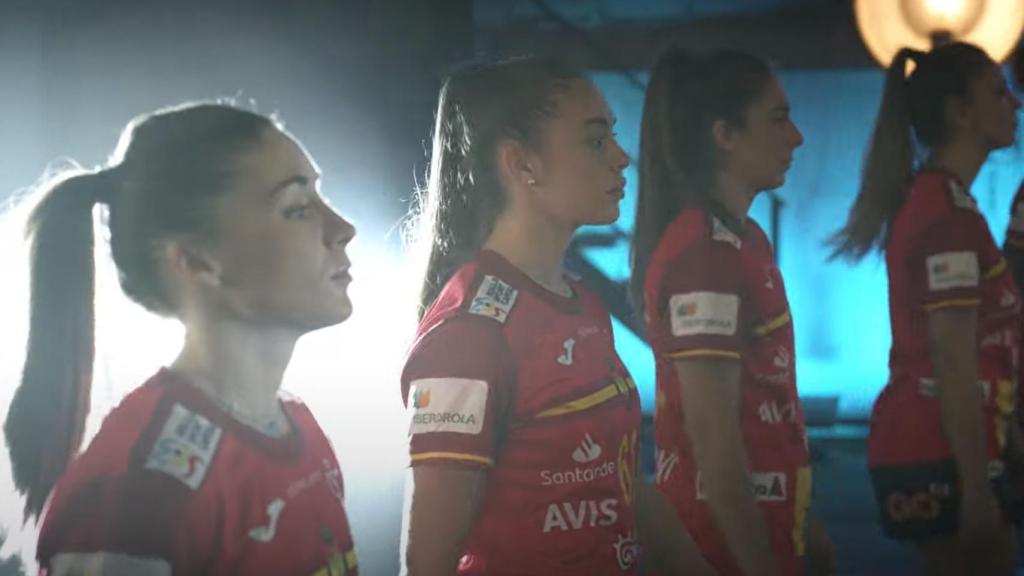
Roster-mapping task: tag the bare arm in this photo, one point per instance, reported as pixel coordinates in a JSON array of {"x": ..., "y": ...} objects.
[
  {"x": 953, "y": 347},
  {"x": 667, "y": 544},
  {"x": 440, "y": 514},
  {"x": 712, "y": 406}
]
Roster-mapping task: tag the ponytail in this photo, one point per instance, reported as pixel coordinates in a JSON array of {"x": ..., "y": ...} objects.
[
  {"x": 678, "y": 164},
  {"x": 457, "y": 213},
  {"x": 479, "y": 106},
  {"x": 46, "y": 419},
  {"x": 171, "y": 166},
  {"x": 887, "y": 169}
]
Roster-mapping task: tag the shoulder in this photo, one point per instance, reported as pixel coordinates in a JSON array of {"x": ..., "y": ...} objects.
[
  {"x": 480, "y": 288},
  {"x": 936, "y": 195}
]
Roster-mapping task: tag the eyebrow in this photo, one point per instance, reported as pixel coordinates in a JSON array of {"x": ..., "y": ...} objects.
[
  {"x": 782, "y": 108},
  {"x": 297, "y": 179},
  {"x": 600, "y": 121}
]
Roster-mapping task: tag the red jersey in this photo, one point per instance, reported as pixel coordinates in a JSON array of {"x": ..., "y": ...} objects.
[
  {"x": 941, "y": 254},
  {"x": 508, "y": 377},
  {"x": 712, "y": 290},
  {"x": 1015, "y": 231},
  {"x": 1013, "y": 251},
  {"x": 173, "y": 479}
]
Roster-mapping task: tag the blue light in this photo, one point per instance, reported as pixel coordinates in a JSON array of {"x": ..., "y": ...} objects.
[{"x": 840, "y": 311}]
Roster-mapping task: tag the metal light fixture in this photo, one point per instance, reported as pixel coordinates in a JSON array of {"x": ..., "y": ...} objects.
[{"x": 888, "y": 25}]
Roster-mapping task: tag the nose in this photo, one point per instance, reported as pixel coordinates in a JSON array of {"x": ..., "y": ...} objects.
[
  {"x": 798, "y": 137},
  {"x": 338, "y": 231},
  {"x": 621, "y": 159}
]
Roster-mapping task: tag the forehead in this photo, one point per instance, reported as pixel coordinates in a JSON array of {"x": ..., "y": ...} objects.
[
  {"x": 771, "y": 96},
  {"x": 274, "y": 157},
  {"x": 579, "y": 102}
]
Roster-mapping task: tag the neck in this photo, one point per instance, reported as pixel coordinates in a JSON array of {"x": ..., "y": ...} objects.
[
  {"x": 734, "y": 195},
  {"x": 238, "y": 364},
  {"x": 533, "y": 244},
  {"x": 961, "y": 158}
]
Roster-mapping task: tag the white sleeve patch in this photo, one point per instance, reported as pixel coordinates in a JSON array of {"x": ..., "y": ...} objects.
[
  {"x": 709, "y": 313},
  {"x": 493, "y": 299},
  {"x": 447, "y": 405},
  {"x": 185, "y": 447},
  {"x": 721, "y": 232},
  {"x": 106, "y": 564},
  {"x": 952, "y": 270}
]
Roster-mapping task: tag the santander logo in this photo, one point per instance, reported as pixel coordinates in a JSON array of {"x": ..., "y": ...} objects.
[{"x": 587, "y": 451}]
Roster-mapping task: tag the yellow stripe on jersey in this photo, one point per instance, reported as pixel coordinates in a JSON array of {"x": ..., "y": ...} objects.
[
  {"x": 621, "y": 387},
  {"x": 952, "y": 304},
  {"x": 996, "y": 270},
  {"x": 340, "y": 564},
  {"x": 452, "y": 456},
  {"x": 773, "y": 324},
  {"x": 801, "y": 503},
  {"x": 704, "y": 353}
]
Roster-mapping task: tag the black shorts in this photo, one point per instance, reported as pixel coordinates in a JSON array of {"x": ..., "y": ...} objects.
[{"x": 922, "y": 501}]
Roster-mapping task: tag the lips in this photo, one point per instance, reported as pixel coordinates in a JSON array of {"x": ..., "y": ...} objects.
[
  {"x": 341, "y": 275},
  {"x": 619, "y": 191}
]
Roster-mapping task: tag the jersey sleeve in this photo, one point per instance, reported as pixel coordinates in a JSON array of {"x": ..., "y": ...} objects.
[
  {"x": 699, "y": 302},
  {"x": 946, "y": 263},
  {"x": 1015, "y": 231},
  {"x": 109, "y": 512},
  {"x": 458, "y": 384},
  {"x": 1014, "y": 246}
]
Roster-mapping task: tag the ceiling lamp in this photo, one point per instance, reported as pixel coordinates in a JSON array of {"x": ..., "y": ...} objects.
[{"x": 888, "y": 25}]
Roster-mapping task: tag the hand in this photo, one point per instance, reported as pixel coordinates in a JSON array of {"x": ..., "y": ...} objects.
[{"x": 821, "y": 553}]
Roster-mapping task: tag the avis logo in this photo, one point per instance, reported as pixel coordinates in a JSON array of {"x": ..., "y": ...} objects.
[
  {"x": 421, "y": 399},
  {"x": 569, "y": 516},
  {"x": 587, "y": 451}
]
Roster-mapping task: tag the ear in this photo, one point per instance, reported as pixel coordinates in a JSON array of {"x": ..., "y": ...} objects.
[
  {"x": 188, "y": 262},
  {"x": 518, "y": 166},
  {"x": 959, "y": 111},
  {"x": 723, "y": 135}
]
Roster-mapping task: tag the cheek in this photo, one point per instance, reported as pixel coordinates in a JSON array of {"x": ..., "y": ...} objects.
[{"x": 270, "y": 263}]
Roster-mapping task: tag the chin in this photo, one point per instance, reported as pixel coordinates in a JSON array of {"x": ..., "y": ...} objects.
[{"x": 605, "y": 218}]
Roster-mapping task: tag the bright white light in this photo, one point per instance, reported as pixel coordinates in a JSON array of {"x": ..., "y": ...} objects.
[{"x": 949, "y": 10}]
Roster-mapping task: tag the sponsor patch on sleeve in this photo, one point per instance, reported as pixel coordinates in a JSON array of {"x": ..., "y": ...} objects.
[
  {"x": 447, "y": 405},
  {"x": 961, "y": 197},
  {"x": 722, "y": 233},
  {"x": 493, "y": 299},
  {"x": 185, "y": 447},
  {"x": 950, "y": 270},
  {"x": 709, "y": 313}
]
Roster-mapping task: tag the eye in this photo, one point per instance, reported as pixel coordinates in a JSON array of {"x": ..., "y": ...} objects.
[
  {"x": 599, "y": 142},
  {"x": 302, "y": 211}
]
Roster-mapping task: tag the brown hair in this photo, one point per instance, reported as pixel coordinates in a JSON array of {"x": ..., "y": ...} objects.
[
  {"x": 911, "y": 107},
  {"x": 479, "y": 106},
  {"x": 168, "y": 167},
  {"x": 686, "y": 94}
]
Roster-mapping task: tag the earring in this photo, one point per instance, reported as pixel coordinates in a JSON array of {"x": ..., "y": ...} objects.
[{"x": 531, "y": 182}]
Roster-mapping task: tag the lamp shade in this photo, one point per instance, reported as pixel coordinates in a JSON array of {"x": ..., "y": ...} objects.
[{"x": 888, "y": 25}]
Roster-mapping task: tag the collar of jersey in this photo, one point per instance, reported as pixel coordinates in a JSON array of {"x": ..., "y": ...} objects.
[{"x": 521, "y": 280}]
